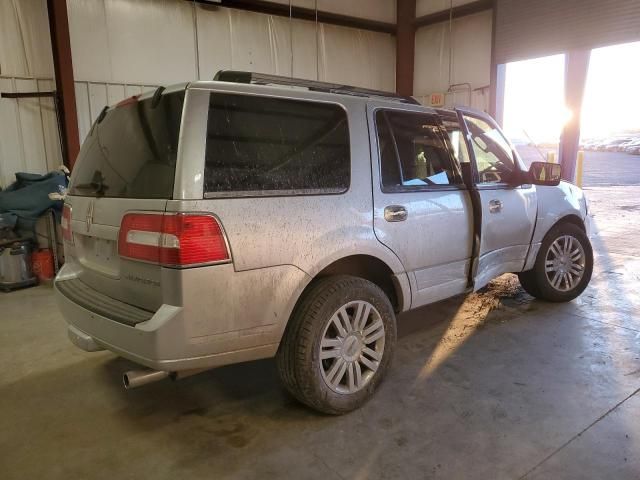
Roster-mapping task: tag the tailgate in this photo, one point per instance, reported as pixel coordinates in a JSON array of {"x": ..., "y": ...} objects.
[{"x": 95, "y": 224}]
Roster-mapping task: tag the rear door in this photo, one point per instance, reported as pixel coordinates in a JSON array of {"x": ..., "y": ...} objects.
[
  {"x": 508, "y": 210},
  {"x": 422, "y": 210},
  {"x": 127, "y": 164}
]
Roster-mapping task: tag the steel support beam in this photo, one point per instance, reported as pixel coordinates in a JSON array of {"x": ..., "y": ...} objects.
[
  {"x": 456, "y": 12},
  {"x": 301, "y": 13},
  {"x": 496, "y": 93},
  {"x": 575, "y": 79},
  {"x": 65, "y": 88},
  {"x": 405, "y": 46}
]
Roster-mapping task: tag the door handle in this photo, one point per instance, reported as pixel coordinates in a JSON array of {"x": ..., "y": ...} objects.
[
  {"x": 495, "y": 206},
  {"x": 395, "y": 213}
]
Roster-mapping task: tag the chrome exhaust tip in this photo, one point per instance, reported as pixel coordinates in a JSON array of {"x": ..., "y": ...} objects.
[{"x": 138, "y": 378}]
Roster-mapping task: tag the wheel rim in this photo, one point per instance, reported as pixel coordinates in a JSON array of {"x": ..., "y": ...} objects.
[
  {"x": 565, "y": 263},
  {"x": 351, "y": 347}
]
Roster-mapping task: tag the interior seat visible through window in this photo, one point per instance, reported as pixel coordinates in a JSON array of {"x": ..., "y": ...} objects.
[{"x": 413, "y": 152}]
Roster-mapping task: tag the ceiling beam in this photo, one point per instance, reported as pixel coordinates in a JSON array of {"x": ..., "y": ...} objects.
[
  {"x": 301, "y": 13},
  {"x": 456, "y": 12}
]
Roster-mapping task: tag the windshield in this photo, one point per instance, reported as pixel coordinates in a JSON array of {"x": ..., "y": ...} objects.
[{"x": 131, "y": 151}]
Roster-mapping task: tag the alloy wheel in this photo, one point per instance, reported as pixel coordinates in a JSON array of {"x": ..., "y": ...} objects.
[
  {"x": 565, "y": 263},
  {"x": 351, "y": 347}
]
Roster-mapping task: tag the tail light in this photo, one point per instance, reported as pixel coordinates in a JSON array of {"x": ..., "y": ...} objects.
[
  {"x": 65, "y": 224},
  {"x": 173, "y": 240}
]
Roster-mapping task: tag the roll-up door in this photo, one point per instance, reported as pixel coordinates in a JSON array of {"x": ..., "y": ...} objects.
[{"x": 536, "y": 28}]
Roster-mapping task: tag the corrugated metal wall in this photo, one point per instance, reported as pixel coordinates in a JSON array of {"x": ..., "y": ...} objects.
[
  {"x": 470, "y": 39},
  {"x": 28, "y": 128},
  {"x": 120, "y": 46},
  {"x": 123, "y": 47}
]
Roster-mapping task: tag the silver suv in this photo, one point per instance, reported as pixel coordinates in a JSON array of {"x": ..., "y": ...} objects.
[{"x": 258, "y": 216}]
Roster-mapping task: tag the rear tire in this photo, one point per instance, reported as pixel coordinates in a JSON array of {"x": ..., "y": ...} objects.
[
  {"x": 338, "y": 344},
  {"x": 563, "y": 266}
]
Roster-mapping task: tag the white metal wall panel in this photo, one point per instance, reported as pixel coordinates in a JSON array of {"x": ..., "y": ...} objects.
[
  {"x": 152, "y": 42},
  {"x": 471, "y": 59},
  {"x": 51, "y": 135},
  {"x": 28, "y": 128},
  {"x": 357, "y": 57},
  {"x": 83, "y": 109},
  {"x": 11, "y": 156},
  {"x": 29, "y": 140},
  {"x": 529, "y": 29},
  {"x": 25, "y": 46},
  {"x": 31, "y": 124},
  {"x": 127, "y": 41},
  {"x": 89, "y": 40},
  {"x": 240, "y": 40},
  {"x": 12, "y": 54}
]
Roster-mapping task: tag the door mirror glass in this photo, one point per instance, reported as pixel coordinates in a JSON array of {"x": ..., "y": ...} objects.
[{"x": 543, "y": 173}]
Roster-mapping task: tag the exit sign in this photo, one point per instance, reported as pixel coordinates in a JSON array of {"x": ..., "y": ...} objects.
[{"x": 436, "y": 99}]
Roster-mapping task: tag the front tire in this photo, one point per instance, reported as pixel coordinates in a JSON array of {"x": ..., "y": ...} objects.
[
  {"x": 338, "y": 344},
  {"x": 563, "y": 266}
]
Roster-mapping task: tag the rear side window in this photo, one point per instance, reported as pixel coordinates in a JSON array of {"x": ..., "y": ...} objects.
[
  {"x": 272, "y": 146},
  {"x": 131, "y": 151},
  {"x": 413, "y": 152}
]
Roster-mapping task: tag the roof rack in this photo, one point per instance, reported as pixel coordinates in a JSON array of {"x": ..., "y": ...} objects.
[{"x": 236, "y": 76}]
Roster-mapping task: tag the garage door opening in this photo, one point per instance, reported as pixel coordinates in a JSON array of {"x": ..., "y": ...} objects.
[
  {"x": 610, "y": 124},
  {"x": 534, "y": 108}
]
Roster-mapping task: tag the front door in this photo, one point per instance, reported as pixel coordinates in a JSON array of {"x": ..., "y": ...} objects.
[
  {"x": 508, "y": 211},
  {"x": 422, "y": 209}
]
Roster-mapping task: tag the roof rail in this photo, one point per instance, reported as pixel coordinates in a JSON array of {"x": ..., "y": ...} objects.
[{"x": 237, "y": 76}]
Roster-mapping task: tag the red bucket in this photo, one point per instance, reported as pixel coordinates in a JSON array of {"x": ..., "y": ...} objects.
[{"x": 42, "y": 262}]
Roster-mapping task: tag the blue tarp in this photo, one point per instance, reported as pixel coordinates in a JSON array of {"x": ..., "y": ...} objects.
[{"x": 22, "y": 202}]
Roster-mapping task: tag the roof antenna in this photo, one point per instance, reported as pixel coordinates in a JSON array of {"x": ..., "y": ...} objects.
[
  {"x": 291, "y": 34},
  {"x": 317, "y": 45},
  {"x": 450, "y": 39},
  {"x": 195, "y": 39}
]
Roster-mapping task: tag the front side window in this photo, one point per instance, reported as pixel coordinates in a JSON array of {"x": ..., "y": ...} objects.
[
  {"x": 271, "y": 146},
  {"x": 494, "y": 157},
  {"x": 413, "y": 151}
]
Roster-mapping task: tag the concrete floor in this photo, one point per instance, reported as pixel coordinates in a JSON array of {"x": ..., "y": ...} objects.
[{"x": 493, "y": 386}]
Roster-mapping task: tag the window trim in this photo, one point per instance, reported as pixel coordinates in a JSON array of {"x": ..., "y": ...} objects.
[
  {"x": 208, "y": 195},
  {"x": 460, "y": 185}
]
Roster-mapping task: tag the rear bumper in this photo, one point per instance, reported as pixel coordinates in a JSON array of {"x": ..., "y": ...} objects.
[{"x": 159, "y": 343}]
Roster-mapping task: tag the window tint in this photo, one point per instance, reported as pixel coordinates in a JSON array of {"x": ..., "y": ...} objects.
[
  {"x": 413, "y": 152},
  {"x": 493, "y": 154},
  {"x": 132, "y": 151},
  {"x": 270, "y": 145}
]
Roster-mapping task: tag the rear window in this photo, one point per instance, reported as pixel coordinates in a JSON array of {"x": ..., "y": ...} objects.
[
  {"x": 271, "y": 146},
  {"x": 132, "y": 151}
]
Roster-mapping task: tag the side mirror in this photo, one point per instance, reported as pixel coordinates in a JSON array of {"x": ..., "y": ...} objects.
[{"x": 543, "y": 173}]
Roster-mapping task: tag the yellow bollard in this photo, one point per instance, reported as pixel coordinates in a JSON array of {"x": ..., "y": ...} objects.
[
  {"x": 579, "y": 168},
  {"x": 551, "y": 157}
]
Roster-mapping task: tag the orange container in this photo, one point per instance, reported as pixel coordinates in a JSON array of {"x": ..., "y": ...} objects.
[{"x": 42, "y": 262}]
